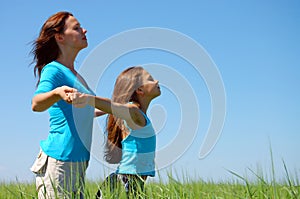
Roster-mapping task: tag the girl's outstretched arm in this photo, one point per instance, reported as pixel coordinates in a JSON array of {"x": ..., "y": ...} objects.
[
  {"x": 128, "y": 112},
  {"x": 98, "y": 113}
]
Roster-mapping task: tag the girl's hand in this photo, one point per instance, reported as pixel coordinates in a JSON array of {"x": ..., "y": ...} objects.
[{"x": 79, "y": 100}]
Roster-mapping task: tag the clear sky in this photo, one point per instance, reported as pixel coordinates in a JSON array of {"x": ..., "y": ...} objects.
[{"x": 253, "y": 44}]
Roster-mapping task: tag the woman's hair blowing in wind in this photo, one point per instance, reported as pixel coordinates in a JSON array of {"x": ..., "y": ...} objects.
[
  {"x": 124, "y": 92},
  {"x": 45, "y": 48}
]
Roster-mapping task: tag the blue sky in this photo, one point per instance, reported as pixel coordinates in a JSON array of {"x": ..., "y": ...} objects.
[{"x": 254, "y": 44}]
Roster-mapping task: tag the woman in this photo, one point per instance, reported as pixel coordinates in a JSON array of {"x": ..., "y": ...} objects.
[{"x": 61, "y": 164}]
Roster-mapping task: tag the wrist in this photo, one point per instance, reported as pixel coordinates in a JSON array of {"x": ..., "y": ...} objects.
[
  {"x": 90, "y": 100},
  {"x": 56, "y": 94}
]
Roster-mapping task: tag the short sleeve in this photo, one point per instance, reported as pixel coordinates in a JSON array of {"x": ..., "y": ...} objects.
[{"x": 49, "y": 80}]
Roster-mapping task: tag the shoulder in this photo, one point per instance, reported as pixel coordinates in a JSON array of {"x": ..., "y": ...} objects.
[
  {"x": 137, "y": 118},
  {"x": 51, "y": 76},
  {"x": 50, "y": 68},
  {"x": 57, "y": 71}
]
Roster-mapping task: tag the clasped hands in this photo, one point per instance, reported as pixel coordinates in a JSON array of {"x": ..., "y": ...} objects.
[{"x": 72, "y": 96}]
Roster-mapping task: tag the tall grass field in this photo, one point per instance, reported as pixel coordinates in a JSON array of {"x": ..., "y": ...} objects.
[
  {"x": 262, "y": 186},
  {"x": 237, "y": 187}
]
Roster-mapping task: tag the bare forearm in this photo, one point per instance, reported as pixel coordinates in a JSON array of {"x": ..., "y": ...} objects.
[
  {"x": 43, "y": 101},
  {"x": 103, "y": 104},
  {"x": 130, "y": 113},
  {"x": 98, "y": 113}
]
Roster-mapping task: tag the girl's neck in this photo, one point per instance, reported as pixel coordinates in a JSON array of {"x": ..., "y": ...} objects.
[{"x": 144, "y": 104}]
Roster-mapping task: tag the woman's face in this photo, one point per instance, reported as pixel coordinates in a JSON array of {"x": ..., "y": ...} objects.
[{"x": 74, "y": 35}]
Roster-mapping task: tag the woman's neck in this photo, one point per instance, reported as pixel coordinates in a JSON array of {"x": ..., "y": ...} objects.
[
  {"x": 67, "y": 59},
  {"x": 66, "y": 63}
]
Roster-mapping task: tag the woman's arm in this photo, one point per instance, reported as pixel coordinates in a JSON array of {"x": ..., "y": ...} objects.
[{"x": 43, "y": 101}]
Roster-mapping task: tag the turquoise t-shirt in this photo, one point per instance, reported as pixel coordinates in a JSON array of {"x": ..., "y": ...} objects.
[
  {"x": 70, "y": 133},
  {"x": 138, "y": 151}
]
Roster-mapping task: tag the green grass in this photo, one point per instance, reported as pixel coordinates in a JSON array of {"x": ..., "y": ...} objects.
[{"x": 237, "y": 187}]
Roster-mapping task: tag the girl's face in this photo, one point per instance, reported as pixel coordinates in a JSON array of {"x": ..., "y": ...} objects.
[
  {"x": 74, "y": 35},
  {"x": 150, "y": 86}
]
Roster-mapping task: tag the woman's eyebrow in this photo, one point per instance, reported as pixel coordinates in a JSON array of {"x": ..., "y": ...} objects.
[{"x": 77, "y": 24}]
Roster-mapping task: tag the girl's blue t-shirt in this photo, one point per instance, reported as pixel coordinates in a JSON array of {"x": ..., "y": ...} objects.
[
  {"x": 138, "y": 151},
  {"x": 70, "y": 133}
]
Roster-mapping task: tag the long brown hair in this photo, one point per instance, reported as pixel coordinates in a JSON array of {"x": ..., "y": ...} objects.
[
  {"x": 45, "y": 48},
  {"x": 124, "y": 92}
]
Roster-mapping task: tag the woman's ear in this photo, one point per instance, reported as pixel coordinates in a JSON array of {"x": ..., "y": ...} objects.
[{"x": 59, "y": 37}]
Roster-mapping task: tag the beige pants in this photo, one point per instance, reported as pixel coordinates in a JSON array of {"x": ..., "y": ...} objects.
[{"x": 58, "y": 179}]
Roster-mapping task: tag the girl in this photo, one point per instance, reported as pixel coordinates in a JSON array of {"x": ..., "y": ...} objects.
[
  {"x": 131, "y": 139},
  {"x": 60, "y": 166}
]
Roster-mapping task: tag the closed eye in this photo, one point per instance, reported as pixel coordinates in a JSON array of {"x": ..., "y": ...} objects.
[
  {"x": 77, "y": 28},
  {"x": 150, "y": 79}
]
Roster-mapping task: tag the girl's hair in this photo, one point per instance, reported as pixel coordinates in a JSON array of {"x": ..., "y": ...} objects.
[
  {"x": 45, "y": 48},
  {"x": 124, "y": 92}
]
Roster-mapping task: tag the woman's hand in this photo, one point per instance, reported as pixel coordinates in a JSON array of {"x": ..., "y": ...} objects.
[
  {"x": 64, "y": 93},
  {"x": 43, "y": 101}
]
